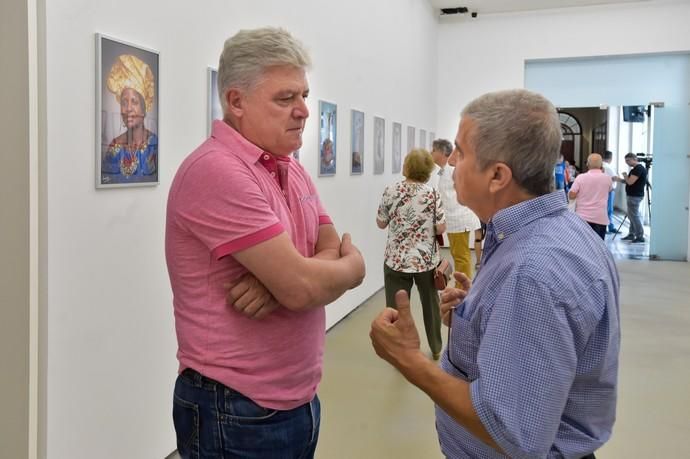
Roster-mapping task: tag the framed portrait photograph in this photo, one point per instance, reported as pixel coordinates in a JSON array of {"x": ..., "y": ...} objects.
[
  {"x": 410, "y": 139},
  {"x": 379, "y": 145},
  {"x": 215, "y": 110},
  {"x": 127, "y": 107},
  {"x": 357, "y": 143},
  {"x": 328, "y": 127},
  {"x": 422, "y": 138},
  {"x": 432, "y": 137},
  {"x": 397, "y": 145}
]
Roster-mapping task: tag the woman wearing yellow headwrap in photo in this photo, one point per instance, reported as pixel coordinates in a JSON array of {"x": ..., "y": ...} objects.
[{"x": 133, "y": 155}]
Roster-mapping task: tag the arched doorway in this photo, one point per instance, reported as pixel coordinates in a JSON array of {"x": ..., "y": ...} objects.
[{"x": 571, "y": 148}]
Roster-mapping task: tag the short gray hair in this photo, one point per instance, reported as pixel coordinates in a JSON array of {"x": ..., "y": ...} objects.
[
  {"x": 521, "y": 129},
  {"x": 249, "y": 53},
  {"x": 443, "y": 146}
]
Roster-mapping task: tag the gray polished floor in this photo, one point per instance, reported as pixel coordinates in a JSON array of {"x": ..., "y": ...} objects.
[
  {"x": 625, "y": 250},
  {"x": 369, "y": 411}
]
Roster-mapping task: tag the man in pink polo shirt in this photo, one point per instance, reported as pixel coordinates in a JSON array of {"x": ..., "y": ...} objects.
[
  {"x": 253, "y": 258},
  {"x": 592, "y": 193}
]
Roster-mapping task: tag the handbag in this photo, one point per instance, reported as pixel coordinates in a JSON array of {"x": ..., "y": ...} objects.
[
  {"x": 443, "y": 270},
  {"x": 442, "y": 274},
  {"x": 439, "y": 240}
]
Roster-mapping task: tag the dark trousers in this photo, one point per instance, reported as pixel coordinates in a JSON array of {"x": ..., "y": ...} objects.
[
  {"x": 599, "y": 229},
  {"x": 212, "y": 421},
  {"x": 394, "y": 281}
]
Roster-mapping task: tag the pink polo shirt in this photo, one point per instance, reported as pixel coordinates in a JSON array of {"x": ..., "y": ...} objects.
[
  {"x": 592, "y": 190},
  {"x": 226, "y": 197}
]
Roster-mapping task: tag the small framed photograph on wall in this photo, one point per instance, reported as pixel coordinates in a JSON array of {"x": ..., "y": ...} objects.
[
  {"x": 127, "y": 107},
  {"x": 397, "y": 144},
  {"x": 422, "y": 138},
  {"x": 432, "y": 137},
  {"x": 379, "y": 145},
  {"x": 357, "y": 143},
  {"x": 328, "y": 127},
  {"x": 410, "y": 139},
  {"x": 215, "y": 110}
]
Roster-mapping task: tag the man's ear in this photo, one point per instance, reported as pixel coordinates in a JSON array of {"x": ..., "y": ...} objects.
[
  {"x": 501, "y": 177},
  {"x": 234, "y": 102}
]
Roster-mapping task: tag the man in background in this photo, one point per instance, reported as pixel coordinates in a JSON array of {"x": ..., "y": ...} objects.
[
  {"x": 591, "y": 190},
  {"x": 611, "y": 172},
  {"x": 461, "y": 222},
  {"x": 559, "y": 173},
  {"x": 635, "y": 182}
]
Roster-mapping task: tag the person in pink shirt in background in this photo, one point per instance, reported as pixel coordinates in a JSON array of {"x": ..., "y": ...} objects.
[
  {"x": 253, "y": 258},
  {"x": 591, "y": 190}
]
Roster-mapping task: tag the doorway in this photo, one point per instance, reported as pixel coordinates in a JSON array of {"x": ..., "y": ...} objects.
[{"x": 647, "y": 80}]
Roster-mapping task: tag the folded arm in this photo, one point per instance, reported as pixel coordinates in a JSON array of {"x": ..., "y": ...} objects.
[
  {"x": 301, "y": 283},
  {"x": 328, "y": 244}
]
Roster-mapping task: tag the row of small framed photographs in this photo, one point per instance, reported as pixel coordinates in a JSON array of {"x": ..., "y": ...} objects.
[
  {"x": 127, "y": 108},
  {"x": 328, "y": 133}
]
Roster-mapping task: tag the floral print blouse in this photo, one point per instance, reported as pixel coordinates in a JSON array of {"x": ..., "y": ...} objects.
[{"x": 408, "y": 209}]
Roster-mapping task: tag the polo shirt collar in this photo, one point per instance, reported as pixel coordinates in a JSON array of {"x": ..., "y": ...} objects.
[{"x": 227, "y": 135}]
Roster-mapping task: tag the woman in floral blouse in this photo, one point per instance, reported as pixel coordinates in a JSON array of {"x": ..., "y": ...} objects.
[{"x": 407, "y": 208}]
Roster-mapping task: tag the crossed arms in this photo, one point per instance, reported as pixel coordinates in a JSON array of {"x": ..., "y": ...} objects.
[{"x": 292, "y": 280}]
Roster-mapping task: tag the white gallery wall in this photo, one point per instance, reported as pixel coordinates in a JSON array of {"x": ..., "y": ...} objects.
[
  {"x": 489, "y": 53},
  {"x": 109, "y": 347}
]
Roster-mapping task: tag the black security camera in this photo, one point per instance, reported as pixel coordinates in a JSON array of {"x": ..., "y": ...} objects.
[
  {"x": 474, "y": 14},
  {"x": 458, "y": 10}
]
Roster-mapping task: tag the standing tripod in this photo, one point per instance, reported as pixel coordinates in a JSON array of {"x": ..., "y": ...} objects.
[{"x": 648, "y": 190}]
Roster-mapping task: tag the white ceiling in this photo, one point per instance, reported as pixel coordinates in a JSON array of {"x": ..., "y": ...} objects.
[{"x": 505, "y": 6}]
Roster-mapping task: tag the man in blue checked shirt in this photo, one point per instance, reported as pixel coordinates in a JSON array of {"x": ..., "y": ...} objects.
[{"x": 531, "y": 365}]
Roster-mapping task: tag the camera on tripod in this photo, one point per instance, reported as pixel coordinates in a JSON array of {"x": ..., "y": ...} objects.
[{"x": 646, "y": 159}]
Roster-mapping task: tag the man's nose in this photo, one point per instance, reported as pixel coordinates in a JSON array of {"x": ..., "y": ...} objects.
[{"x": 301, "y": 110}]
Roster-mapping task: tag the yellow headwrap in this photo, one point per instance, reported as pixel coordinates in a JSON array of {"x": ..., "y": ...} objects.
[{"x": 131, "y": 72}]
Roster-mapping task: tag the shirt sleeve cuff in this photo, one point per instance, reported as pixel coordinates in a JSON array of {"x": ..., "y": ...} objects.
[
  {"x": 325, "y": 220},
  {"x": 245, "y": 242},
  {"x": 491, "y": 424}
]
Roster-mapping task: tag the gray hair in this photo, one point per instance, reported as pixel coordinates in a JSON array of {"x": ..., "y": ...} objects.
[
  {"x": 521, "y": 129},
  {"x": 443, "y": 146},
  {"x": 249, "y": 53}
]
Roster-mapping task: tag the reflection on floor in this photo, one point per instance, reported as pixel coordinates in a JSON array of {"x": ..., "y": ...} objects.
[
  {"x": 370, "y": 411},
  {"x": 625, "y": 250}
]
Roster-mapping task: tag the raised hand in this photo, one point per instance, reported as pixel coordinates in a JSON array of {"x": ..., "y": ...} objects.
[{"x": 393, "y": 333}]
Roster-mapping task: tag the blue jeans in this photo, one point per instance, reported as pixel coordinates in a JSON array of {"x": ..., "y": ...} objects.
[
  {"x": 213, "y": 421},
  {"x": 612, "y": 194},
  {"x": 636, "y": 228}
]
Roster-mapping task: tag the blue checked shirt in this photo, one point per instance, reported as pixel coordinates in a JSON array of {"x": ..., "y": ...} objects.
[{"x": 537, "y": 338}]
